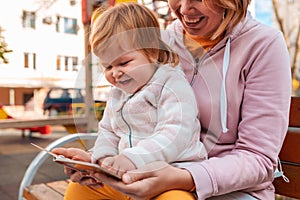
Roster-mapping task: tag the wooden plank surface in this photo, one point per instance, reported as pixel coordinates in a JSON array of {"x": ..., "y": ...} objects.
[
  {"x": 290, "y": 155},
  {"x": 52, "y": 190},
  {"x": 290, "y": 151},
  {"x": 294, "y": 120},
  {"x": 59, "y": 186},
  {"x": 41, "y": 192}
]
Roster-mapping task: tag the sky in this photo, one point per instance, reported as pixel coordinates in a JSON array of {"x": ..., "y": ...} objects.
[{"x": 263, "y": 11}]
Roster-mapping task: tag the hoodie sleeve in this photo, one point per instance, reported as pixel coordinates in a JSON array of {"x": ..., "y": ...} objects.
[{"x": 107, "y": 141}]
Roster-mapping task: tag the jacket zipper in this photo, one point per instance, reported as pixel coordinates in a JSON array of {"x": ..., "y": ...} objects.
[
  {"x": 198, "y": 61},
  {"x": 129, "y": 128}
]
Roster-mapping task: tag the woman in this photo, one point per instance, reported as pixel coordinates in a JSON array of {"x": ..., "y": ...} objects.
[{"x": 240, "y": 72}]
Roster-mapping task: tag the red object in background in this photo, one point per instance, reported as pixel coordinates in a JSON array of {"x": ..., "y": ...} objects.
[
  {"x": 87, "y": 7},
  {"x": 111, "y": 2},
  {"x": 45, "y": 130},
  {"x": 84, "y": 10}
]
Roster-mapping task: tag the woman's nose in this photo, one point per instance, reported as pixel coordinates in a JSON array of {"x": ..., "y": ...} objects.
[{"x": 186, "y": 6}]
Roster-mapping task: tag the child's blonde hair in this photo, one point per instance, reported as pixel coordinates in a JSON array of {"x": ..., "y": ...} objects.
[{"x": 130, "y": 25}]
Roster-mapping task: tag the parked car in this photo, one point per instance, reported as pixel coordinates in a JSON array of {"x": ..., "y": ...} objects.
[{"x": 59, "y": 100}]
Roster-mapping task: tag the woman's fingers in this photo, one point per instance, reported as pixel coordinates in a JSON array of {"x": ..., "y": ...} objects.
[
  {"x": 69, "y": 171},
  {"x": 144, "y": 172},
  {"x": 140, "y": 183},
  {"x": 73, "y": 153}
]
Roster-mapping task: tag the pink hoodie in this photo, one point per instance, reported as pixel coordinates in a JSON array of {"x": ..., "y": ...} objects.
[{"x": 244, "y": 123}]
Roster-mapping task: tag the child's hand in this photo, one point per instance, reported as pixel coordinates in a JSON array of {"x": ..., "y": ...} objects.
[{"x": 117, "y": 164}]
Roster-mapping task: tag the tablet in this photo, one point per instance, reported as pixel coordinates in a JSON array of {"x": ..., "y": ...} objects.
[{"x": 79, "y": 165}]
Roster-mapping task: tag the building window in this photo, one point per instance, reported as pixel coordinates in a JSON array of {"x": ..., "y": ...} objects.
[
  {"x": 28, "y": 19},
  {"x": 74, "y": 64},
  {"x": 30, "y": 60},
  {"x": 58, "y": 63},
  {"x": 66, "y": 63},
  {"x": 66, "y": 25}
]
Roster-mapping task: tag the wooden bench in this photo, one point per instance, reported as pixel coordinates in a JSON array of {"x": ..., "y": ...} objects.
[
  {"x": 289, "y": 156},
  {"x": 45, "y": 191}
]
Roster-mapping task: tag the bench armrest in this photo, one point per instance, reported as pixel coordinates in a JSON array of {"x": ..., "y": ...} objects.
[{"x": 41, "y": 157}]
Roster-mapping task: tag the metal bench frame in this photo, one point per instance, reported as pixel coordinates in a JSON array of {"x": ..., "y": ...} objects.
[{"x": 43, "y": 155}]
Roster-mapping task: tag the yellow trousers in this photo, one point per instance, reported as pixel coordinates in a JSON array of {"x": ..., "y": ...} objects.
[{"x": 76, "y": 191}]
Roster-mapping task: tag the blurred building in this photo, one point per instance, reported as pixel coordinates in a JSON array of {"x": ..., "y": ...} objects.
[{"x": 47, "y": 40}]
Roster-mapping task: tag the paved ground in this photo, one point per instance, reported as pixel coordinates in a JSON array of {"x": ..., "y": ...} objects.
[{"x": 16, "y": 153}]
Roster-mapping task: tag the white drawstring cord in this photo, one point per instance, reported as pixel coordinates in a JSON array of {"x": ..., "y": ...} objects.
[
  {"x": 223, "y": 97},
  {"x": 279, "y": 173}
]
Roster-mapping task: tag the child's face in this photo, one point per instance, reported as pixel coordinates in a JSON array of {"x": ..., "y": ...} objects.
[{"x": 130, "y": 71}]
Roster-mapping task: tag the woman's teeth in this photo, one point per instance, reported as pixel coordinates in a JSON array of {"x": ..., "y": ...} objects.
[{"x": 191, "y": 20}]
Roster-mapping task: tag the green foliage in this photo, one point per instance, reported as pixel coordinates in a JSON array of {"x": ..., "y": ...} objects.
[{"x": 3, "y": 48}]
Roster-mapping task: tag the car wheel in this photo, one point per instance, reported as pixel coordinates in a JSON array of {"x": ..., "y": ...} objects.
[{"x": 51, "y": 112}]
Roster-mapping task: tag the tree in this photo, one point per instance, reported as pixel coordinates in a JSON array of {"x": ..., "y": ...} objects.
[
  {"x": 3, "y": 48},
  {"x": 290, "y": 27}
]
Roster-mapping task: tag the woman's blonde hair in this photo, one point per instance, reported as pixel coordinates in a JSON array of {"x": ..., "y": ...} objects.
[
  {"x": 235, "y": 12},
  {"x": 131, "y": 25}
]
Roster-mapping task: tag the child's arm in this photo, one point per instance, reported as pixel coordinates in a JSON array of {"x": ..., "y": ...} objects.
[{"x": 107, "y": 141}]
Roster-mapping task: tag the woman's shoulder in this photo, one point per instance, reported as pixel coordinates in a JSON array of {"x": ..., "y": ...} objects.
[{"x": 250, "y": 27}]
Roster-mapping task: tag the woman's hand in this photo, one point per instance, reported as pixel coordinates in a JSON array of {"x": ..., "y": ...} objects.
[
  {"x": 118, "y": 164},
  {"x": 150, "y": 180},
  {"x": 81, "y": 177}
]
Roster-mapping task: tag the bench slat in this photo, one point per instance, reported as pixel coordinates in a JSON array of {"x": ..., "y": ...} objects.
[
  {"x": 290, "y": 151},
  {"x": 290, "y": 155},
  {"x": 53, "y": 190},
  {"x": 294, "y": 120},
  {"x": 59, "y": 186}
]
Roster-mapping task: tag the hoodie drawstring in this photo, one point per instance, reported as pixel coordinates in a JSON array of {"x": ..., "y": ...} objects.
[
  {"x": 279, "y": 172},
  {"x": 223, "y": 96}
]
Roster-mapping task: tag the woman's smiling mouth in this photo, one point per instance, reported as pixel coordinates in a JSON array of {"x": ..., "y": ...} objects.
[
  {"x": 192, "y": 21},
  {"x": 187, "y": 20}
]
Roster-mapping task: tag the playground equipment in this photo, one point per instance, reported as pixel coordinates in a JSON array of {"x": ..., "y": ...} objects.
[{"x": 45, "y": 130}]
